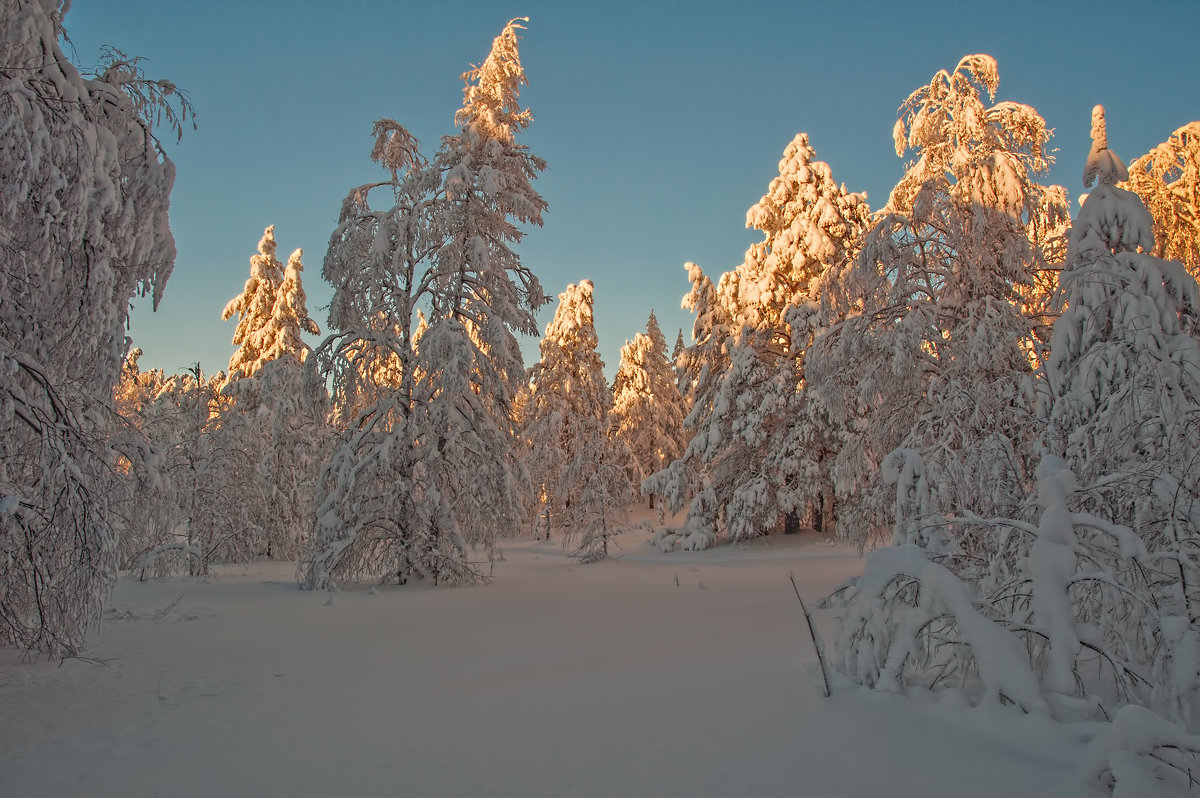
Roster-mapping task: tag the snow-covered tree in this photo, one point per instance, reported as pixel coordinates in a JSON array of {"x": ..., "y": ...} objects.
[
  {"x": 701, "y": 365},
  {"x": 1123, "y": 404},
  {"x": 1083, "y": 600},
  {"x": 265, "y": 418},
  {"x": 677, "y": 360},
  {"x": 1167, "y": 179},
  {"x": 271, "y": 311},
  {"x": 749, "y": 401},
  {"x": 193, "y": 494},
  {"x": 939, "y": 345},
  {"x": 267, "y": 424},
  {"x": 426, "y": 467},
  {"x": 83, "y": 210},
  {"x": 579, "y": 472},
  {"x": 648, "y": 410},
  {"x": 254, "y": 305}
]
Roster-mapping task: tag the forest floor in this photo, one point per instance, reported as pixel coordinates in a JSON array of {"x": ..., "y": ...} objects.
[{"x": 685, "y": 674}]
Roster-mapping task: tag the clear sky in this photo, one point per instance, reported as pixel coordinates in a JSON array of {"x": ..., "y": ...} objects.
[{"x": 662, "y": 122}]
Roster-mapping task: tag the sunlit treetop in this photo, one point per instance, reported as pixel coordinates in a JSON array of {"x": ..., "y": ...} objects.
[{"x": 493, "y": 90}]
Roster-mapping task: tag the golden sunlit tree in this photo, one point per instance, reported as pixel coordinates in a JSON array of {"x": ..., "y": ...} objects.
[
  {"x": 1168, "y": 181},
  {"x": 932, "y": 363},
  {"x": 648, "y": 410},
  {"x": 753, "y": 461}
]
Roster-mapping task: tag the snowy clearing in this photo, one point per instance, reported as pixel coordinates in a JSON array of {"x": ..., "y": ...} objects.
[{"x": 556, "y": 679}]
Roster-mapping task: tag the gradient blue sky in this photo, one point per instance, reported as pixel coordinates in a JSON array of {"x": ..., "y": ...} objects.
[{"x": 661, "y": 122}]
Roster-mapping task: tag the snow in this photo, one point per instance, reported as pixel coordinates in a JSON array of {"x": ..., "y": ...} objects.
[{"x": 618, "y": 678}]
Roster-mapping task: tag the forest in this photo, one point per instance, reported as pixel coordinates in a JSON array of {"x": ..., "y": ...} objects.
[{"x": 996, "y": 400}]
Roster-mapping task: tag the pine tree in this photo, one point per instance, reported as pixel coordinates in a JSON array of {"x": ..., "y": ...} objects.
[
  {"x": 648, "y": 410},
  {"x": 1123, "y": 377},
  {"x": 427, "y": 466},
  {"x": 750, "y": 399},
  {"x": 83, "y": 209},
  {"x": 289, "y": 317},
  {"x": 254, "y": 306},
  {"x": 678, "y": 355},
  {"x": 683, "y": 482},
  {"x": 271, "y": 310},
  {"x": 265, "y": 418},
  {"x": 579, "y": 473}
]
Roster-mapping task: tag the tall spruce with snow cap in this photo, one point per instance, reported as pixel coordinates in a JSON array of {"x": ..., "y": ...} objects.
[
  {"x": 289, "y": 316},
  {"x": 938, "y": 347},
  {"x": 272, "y": 311},
  {"x": 427, "y": 467},
  {"x": 580, "y": 474},
  {"x": 648, "y": 410},
  {"x": 83, "y": 209},
  {"x": 1124, "y": 372}
]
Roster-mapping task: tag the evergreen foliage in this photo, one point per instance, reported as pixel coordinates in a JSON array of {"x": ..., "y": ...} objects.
[
  {"x": 648, "y": 410},
  {"x": 580, "y": 470}
]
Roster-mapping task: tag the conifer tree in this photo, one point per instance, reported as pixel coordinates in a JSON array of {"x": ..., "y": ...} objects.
[
  {"x": 1124, "y": 370},
  {"x": 254, "y": 305},
  {"x": 579, "y": 473},
  {"x": 750, "y": 399},
  {"x": 683, "y": 482},
  {"x": 289, "y": 316},
  {"x": 1100, "y": 569},
  {"x": 648, "y": 411},
  {"x": 678, "y": 355},
  {"x": 263, "y": 416}
]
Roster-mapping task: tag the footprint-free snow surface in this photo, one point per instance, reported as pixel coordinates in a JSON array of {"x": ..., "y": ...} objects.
[{"x": 685, "y": 674}]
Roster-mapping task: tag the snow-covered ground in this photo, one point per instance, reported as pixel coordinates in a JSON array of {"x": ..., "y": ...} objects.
[{"x": 687, "y": 674}]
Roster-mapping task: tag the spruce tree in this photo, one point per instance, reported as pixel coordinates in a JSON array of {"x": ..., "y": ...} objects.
[
  {"x": 748, "y": 397},
  {"x": 1123, "y": 405},
  {"x": 580, "y": 473},
  {"x": 648, "y": 411}
]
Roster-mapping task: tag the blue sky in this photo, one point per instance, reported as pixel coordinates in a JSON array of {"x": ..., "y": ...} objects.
[{"x": 662, "y": 122}]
